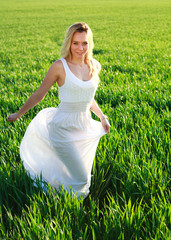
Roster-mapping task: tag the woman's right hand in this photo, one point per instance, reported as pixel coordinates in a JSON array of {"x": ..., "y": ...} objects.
[{"x": 13, "y": 117}]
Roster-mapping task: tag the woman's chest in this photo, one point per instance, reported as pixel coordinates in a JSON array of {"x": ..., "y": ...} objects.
[{"x": 82, "y": 73}]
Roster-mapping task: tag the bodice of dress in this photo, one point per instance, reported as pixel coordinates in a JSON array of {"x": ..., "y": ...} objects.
[{"x": 76, "y": 90}]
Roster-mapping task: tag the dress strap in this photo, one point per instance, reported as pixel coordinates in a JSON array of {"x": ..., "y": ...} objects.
[{"x": 64, "y": 64}]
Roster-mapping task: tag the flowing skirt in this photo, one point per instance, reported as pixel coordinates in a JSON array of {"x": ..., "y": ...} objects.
[{"x": 60, "y": 145}]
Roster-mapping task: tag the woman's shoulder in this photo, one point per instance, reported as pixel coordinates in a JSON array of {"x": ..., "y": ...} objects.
[
  {"x": 58, "y": 69},
  {"x": 58, "y": 63},
  {"x": 96, "y": 64}
]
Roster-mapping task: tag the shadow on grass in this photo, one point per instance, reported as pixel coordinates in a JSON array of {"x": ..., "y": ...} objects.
[
  {"x": 16, "y": 192},
  {"x": 99, "y": 51}
]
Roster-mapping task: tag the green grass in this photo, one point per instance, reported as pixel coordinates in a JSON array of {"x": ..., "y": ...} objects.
[{"x": 130, "y": 189}]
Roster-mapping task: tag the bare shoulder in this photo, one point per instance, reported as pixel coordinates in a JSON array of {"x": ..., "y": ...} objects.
[
  {"x": 58, "y": 69},
  {"x": 97, "y": 65},
  {"x": 58, "y": 66}
]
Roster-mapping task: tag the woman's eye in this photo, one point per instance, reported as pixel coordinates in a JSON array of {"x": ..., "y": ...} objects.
[
  {"x": 85, "y": 43},
  {"x": 75, "y": 43}
]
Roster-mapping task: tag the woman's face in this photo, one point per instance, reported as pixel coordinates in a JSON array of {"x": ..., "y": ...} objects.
[{"x": 79, "y": 45}]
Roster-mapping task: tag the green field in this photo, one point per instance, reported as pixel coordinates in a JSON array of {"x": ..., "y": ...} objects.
[{"x": 130, "y": 186}]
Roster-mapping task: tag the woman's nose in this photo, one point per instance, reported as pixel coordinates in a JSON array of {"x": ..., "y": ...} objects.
[{"x": 81, "y": 47}]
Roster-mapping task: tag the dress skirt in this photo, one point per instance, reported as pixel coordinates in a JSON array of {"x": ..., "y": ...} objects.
[{"x": 60, "y": 145}]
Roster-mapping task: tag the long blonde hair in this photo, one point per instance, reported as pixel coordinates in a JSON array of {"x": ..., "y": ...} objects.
[{"x": 66, "y": 52}]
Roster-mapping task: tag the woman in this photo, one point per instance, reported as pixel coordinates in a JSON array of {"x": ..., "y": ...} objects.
[{"x": 60, "y": 143}]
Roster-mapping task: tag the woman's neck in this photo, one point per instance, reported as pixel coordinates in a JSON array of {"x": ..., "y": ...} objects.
[{"x": 77, "y": 61}]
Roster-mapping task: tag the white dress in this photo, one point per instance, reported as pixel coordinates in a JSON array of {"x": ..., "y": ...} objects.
[{"x": 60, "y": 143}]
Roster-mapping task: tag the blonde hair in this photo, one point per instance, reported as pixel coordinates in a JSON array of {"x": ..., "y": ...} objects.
[{"x": 66, "y": 52}]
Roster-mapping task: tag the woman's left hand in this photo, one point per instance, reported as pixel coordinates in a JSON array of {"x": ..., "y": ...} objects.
[{"x": 106, "y": 125}]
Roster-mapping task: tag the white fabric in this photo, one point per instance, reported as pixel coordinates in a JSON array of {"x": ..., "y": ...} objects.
[{"x": 60, "y": 143}]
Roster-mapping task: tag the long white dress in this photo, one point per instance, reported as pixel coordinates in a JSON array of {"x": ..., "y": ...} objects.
[{"x": 60, "y": 143}]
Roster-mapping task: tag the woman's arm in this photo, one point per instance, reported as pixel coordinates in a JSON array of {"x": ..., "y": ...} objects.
[
  {"x": 54, "y": 74},
  {"x": 98, "y": 112}
]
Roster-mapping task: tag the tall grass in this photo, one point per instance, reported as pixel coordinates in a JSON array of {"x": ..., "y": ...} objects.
[{"x": 130, "y": 185}]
